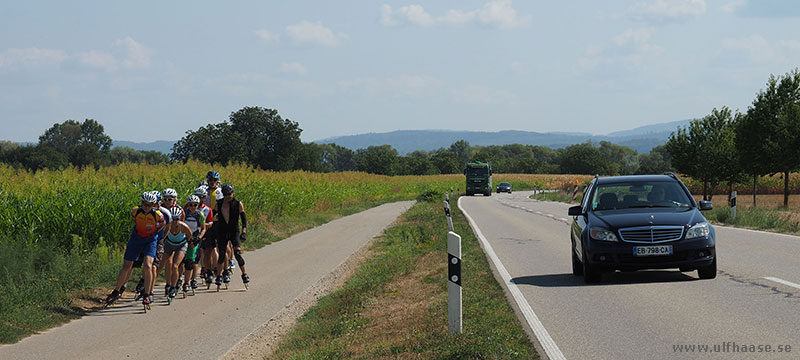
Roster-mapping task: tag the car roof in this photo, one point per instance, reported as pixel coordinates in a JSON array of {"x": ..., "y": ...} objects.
[{"x": 634, "y": 178}]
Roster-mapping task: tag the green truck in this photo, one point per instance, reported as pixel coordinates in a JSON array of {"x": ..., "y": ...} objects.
[{"x": 479, "y": 178}]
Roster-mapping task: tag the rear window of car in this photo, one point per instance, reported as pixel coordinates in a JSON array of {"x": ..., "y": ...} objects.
[{"x": 640, "y": 195}]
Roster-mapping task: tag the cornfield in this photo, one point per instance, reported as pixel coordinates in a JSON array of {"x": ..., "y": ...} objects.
[{"x": 56, "y": 207}]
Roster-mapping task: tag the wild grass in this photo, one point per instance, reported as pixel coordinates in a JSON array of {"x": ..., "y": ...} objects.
[{"x": 395, "y": 305}]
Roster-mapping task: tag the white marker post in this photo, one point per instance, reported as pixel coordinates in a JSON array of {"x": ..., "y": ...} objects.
[
  {"x": 454, "y": 282},
  {"x": 446, "y": 206},
  {"x": 733, "y": 205}
]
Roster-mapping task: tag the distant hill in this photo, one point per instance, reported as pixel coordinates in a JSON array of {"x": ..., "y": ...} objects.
[
  {"x": 641, "y": 139},
  {"x": 160, "y": 146}
]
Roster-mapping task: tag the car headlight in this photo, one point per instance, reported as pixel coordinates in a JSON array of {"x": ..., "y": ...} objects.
[
  {"x": 699, "y": 230},
  {"x": 602, "y": 234}
]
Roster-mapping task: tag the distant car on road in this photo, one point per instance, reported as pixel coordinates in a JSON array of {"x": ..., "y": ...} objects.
[
  {"x": 504, "y": 187},
  {"x": 641, "y": 222}
]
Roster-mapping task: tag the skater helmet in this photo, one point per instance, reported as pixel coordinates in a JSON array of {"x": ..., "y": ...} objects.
[
  {"x": 212, "y": 174},
  {"x": 177, "y": 212},
  {"x": 201, "y": 191},
  {"x": 194, "y": 199},
  {"x": 170, "y": 192},
  {"x": 149, "y": 197},
  {"x": 227, "y": 189}
]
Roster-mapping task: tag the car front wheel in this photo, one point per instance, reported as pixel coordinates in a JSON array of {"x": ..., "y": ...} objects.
[
  {"x": 591, "y": 274},
  {"x": 708, "y": 272},
  {"x": 577, "y": 266}
]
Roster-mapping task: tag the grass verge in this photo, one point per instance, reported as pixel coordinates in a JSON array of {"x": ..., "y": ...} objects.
[{"x": 395, "y": 305}]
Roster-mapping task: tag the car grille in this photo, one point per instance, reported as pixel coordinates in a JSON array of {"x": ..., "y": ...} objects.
[{"x": 651, "y": 234}]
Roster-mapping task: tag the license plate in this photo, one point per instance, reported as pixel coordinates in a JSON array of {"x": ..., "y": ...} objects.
[{"x": 652, "y": 250}]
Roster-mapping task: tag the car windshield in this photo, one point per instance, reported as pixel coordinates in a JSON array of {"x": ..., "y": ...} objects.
[
  {"x": 639, "y": 195},
  {"x": 477, "y": 170},
  {"x": 505, "y": 184}
]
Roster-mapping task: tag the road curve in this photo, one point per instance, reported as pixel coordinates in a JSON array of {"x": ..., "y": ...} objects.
[
  {"x": 648, "y": 314},
  {"x": 206, "y": 325}
]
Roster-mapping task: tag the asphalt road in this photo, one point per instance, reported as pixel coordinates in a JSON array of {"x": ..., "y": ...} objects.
[
  {"x": 654, "y": 314},
  {"x": 206, "y": 325}
]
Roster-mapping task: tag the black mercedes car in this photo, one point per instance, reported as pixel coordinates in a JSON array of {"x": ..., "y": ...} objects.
[
  {"x": 504, "y": 187},
  {"x": 641, "y": 222}
]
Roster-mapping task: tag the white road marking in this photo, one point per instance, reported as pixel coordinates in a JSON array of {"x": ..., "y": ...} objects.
[
  {"x": 550, "y": 347},
  {"x": 784, "y": 282}
]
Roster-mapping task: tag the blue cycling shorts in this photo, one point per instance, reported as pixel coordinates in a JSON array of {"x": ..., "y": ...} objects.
[{"x": 138, "y": 245}]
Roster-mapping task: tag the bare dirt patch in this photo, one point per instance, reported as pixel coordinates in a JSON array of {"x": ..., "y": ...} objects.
[{"x": 400, "y": 317}]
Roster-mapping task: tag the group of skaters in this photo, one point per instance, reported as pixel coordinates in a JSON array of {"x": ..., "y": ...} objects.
[{"x": 200, "y": 238}]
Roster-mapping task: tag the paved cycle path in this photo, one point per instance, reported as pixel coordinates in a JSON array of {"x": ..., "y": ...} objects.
[{"x": 208, "y": 324}]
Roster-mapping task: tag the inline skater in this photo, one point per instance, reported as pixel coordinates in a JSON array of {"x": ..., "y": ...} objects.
[
  {"x": 141, "y": 289},
  {"x": 148, "y": 221},
  {"x": 196, "y": 221},
  {"x": 208, "y": 243},
  {"x": 176, "y": 240},
  {"x": 229, "y": 211},
  {"x": 169, "y": 198}
]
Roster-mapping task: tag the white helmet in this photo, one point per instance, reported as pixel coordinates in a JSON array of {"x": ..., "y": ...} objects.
[
  {"x": 193, "y": 199},
  {"x": 177, "y": 213},
  {"x": 149, "y": 196},
  {"x": 170, "y": 192},
  {"x": 201, "y": 191}
]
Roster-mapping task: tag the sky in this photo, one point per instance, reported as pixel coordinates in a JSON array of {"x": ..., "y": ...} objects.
[{"x": 151, "y": 71}]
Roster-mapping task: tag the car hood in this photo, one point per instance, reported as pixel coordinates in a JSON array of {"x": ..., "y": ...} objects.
[{"x": 641, "y": 217}]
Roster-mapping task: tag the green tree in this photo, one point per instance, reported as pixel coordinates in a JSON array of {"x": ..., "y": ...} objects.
[
  {"x": 584, "y": 159},
  {"x": 766, "y": 137},
  {"x": 447, "y": 162},
  {"x": 622, "y": 160},
  {"x": 83, "y": 143},
  {"x": 706, "y": 150},
  {"x": 381, "y": 160},
  {"x": 271, "y": 142},
  {"x": 213, "y": 143},
  {"x": 462, "y": 150},
  {"x": 655, "y": 162}
]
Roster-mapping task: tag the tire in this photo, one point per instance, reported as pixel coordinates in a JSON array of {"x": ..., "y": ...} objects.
[
  {"x": 591, "y": 275},
  {"x": 577, "y": 266},
  {"x": 469, "y": 193},
  {"x": 708, "y": 272},
  {"x": 488, "y": 194}
]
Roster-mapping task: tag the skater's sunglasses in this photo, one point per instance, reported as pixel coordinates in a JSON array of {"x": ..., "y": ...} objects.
[
  {"x": 193, "y": 204},
  {"x": 148, "y": 204},
  {"x": 169, "y": 198}
]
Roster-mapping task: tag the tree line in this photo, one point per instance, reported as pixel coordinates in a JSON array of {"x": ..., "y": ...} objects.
[{"x": 727, "y": 147}]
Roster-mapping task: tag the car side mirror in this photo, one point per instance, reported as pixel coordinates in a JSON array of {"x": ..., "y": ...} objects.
[
  {"x": 575, "y": 210},
  {"x": 705, "y": 205}
]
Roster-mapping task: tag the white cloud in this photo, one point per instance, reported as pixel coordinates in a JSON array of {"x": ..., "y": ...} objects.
[
  {"x": 98, "y": 59},
  {"x": 733, "y": 6},
  {"x": 32, "y": 56},
  {"x": 386, "y": 16},
  {"x": 294, "y": 67},
  {"x": 495, "y": 13},
  {"x": 633, "y": 47},
  {"x": 755, "y": 47},
  {"x": 482, "y": 95},
  {"x": 667, "y": 11},
  {"x": 404, "y": 85},
  {"x": 517, "y": 67},
  {"x": 267, "y": 36},
  {"x": 306, "y": 32},
  {"x": 138, "y": 56}
]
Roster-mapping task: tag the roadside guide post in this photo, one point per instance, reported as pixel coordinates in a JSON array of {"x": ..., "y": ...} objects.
[
  {"x": 453, "y": 274},
  {"x": 454, "y": 282},
  {"x": 446, "y": 206},
  {"x": 733, "y": 205}
]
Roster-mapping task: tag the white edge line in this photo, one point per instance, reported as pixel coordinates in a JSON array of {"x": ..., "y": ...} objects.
[
  {"x": 550, "y": 347},
  {"x": 784, "y": 282}
]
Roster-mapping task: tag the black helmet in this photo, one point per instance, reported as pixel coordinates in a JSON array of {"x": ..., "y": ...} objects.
[{"x": 227, "y": 189}]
